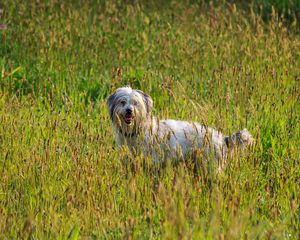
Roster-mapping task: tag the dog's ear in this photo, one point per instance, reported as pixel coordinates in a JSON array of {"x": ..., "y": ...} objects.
[
  {"x": 111, "y": 104},
  {"x": 148, "y": 101}
]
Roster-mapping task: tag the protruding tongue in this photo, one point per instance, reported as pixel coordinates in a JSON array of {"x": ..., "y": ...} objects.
[{"x": 128, "y": 118}]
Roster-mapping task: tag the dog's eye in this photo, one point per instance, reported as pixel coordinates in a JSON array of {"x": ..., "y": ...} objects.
[
  {"x": 123, "y": 102},
  {"x": 135, "y": 103}
]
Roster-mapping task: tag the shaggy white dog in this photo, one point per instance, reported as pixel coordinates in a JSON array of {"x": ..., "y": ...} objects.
[{"x": 131, "y": 115}]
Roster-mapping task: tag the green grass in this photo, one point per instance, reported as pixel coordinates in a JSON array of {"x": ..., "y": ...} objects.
[{"x": 60, "y": 173}]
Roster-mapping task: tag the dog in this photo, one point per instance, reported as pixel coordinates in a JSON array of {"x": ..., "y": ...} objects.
[{"x": 134, "y": 126}]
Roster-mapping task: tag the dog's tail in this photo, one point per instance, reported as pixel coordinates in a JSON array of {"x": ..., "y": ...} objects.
[{"x": 240, "y": 139}]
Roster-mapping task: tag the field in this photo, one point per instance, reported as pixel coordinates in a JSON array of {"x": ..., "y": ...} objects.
[{"x": 220, "y": 64}]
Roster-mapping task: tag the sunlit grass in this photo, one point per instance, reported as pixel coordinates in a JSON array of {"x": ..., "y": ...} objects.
[{"x": 60, "y": 173}]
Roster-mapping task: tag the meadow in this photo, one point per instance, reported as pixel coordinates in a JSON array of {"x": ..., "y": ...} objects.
[{"x": 220, "y": 64}]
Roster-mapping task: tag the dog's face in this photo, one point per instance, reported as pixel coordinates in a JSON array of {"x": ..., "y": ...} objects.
[{"x": 129, "y": 108}]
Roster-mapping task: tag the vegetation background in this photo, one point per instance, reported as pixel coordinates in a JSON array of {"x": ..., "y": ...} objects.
[{"x": 229, "y": 65}]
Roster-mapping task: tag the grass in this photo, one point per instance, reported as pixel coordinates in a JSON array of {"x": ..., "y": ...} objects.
[{"x": 221, "y": 65}]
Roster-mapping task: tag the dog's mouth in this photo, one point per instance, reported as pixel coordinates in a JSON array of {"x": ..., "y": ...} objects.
[{"x": 128, "y": 118}]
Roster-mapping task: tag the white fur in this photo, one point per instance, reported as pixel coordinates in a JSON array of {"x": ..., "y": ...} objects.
[{"x": 165, "y": 139}]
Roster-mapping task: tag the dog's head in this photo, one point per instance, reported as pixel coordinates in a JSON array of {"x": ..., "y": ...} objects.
[{"x": 129, "y": 108}]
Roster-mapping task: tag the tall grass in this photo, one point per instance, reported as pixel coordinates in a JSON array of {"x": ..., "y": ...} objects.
[
  {"x": 287, "y": 9},
  {"x": 61, "y": 175}
]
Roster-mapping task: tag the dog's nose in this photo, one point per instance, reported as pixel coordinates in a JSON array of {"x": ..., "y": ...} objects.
[{"x": 128, "y": 110}]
